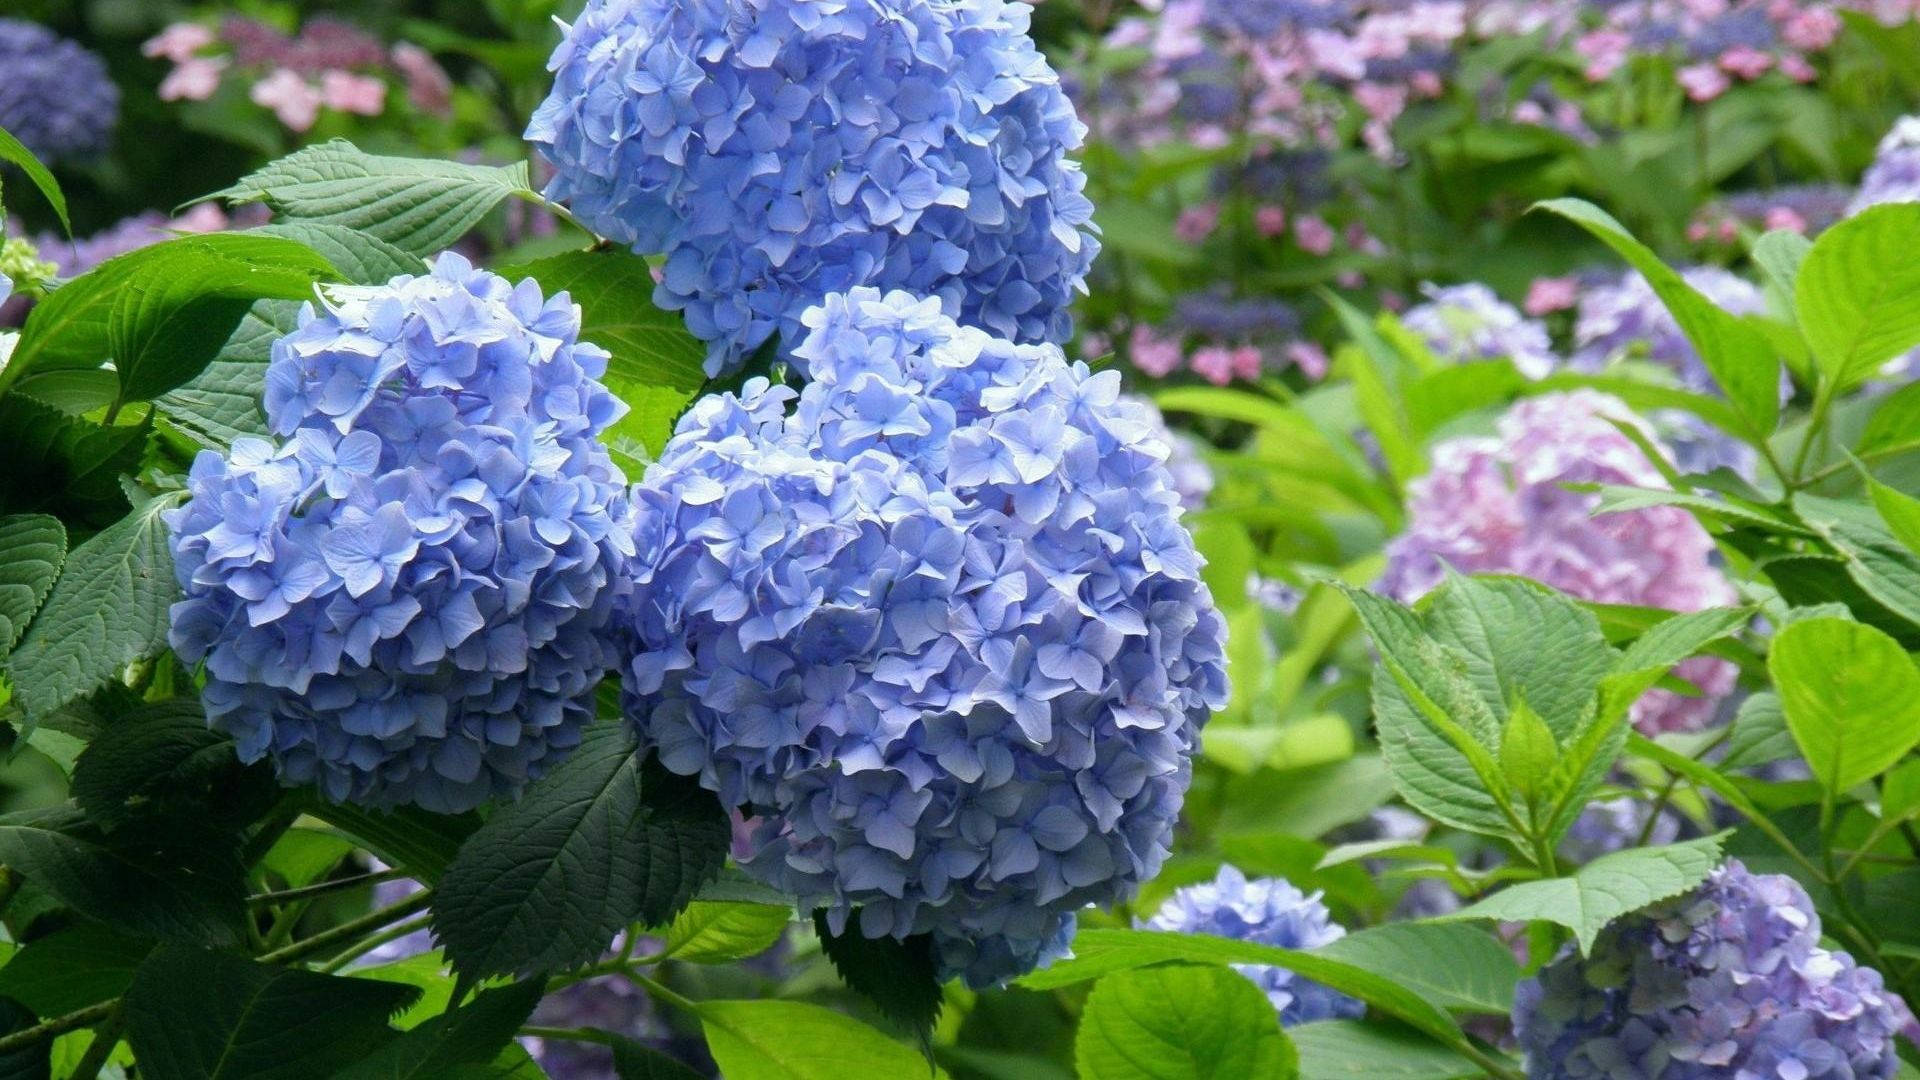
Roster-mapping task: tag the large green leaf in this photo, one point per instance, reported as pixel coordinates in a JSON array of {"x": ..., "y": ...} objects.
[
  {"x": 34, "y": 1062},
  {"x": 720, "y": 931},
  {"x": 14, "y": 151},
  {"x": 361, "y": 258},
  {"x": 791, "y": 1040},
  {"x": 1858, "y": 293},
  {"x": 417, "y": 205},
  {"x": 1604, "y": 889},
  {"x": 107, "y": 609},
  {"x": 472, "y": 1035},
  {"x": 222, "y": 403},
  {"x": 1455, "y": 967},
  {"x": 548, "y": 881},
  {"x": 1180, "y": 1022},
  {"x": 164, "y": 760},
  {"x": 425, "y": 843},
  {"x": 634, "y": 1061},
  {"x": 1877, "y": 561},
  {"x": 32, "y": 547},
  {"x": 1526, "y": 642},
  {"x": 70, "y": 969},
  {"x": 656, "y": 365},
  {"x": 198, "y": 1015},
  {"x": 899, "y": 977},
  {"x": 65, "y": 466},
  {"x": 1851, "y": 697},
  {"x": 1336, "y": 1049}
]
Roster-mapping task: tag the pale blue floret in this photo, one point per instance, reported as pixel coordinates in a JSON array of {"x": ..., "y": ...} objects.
[{"x": 934, "y": 621}]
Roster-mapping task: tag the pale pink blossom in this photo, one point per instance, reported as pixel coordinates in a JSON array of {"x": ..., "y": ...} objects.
[
  {"x": 1309, "y": 358},
  {"x": 1703, "y": 82},
  {"x": 1154, "y": 355},
  {"x": 1336, "y": 54},
  {"x": 1550, "y": 294},
  {"x": 203, "y": 217},
  {"x": 428, "y": 87},
  {"x": 1196, "y": 223},
  {"x": 1746, "y": 62},
  {"x": 344, "y": 91},
  {"x": 193, "y": 79},
  {"x": 1270, "y": 221},
  {"x": 1350, "y": 279},
  {"x": 293, "y": 99},
  {"x": 1811, "y": 29},
  {"x": 1248, "y": 361},
  {"x": 1604, "y": 51},
  {"x": 1785, "y": 217},
  {"x": 179, "y": 42},
  {"x": 1698, "y": 232},
  {"x": 1213, "y": 363},
  {"x": 1314, "y": 236},
  {"x": 1795, "y": 67}
]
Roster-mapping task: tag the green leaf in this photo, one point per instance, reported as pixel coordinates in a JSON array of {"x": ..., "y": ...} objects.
[
  {"x": 1099, "y": 953},
  {"x": 107, "y": 609},
  {"x": 361, "y": 258},
  {"x": 68, "y": 467},
  {"x": 1859, "y": 293},
  {"x": 1369, "y": 364},
  {"x": 1894, "y": 426},
  {"x": 425, "y": 843},
  {"x": 791, "y": 1040},
  {"x": 718, "y": 931},
  {"x": 181, "y": 886},
  {"x": 222, "y": 403},
  {"x": 1899, "y": 510},
  {"x": 1851, "y": 697},
  {"x": 1528, "y": 753},
  {"x": 163, "y": 759},
  {"x": 473, "y": 1034},
  {"x": 1759, "y": 734},
  {"x": 633, "y": 1061},
  {"x": 1522, "y": 640},
  {"x": 1616, "y": 500},
  {"x": 70, "y": 969},
  {"x": 198, "y": 1015},
  {"x": 29, "y": 1062},
  {"x": 13, "y": 150},
  {"x": 32, "y": 547},
  {"x": 1180, "y": 1022},
  {"x": 897, "y": 976},
  {"x": 1879, "y": 563},
  {"x": 161, "y": 313},
  {"x": 1603, "y": 890},
  {"x": 1333, "y": 1049},
  {"x": 1463, "y": 968},
  {"x": 1779, "y": 255},
  {"x": 417, "y": 205},
  {"x": 656, "y": 365},
  {"x": 1736, "y": 354},
  {"x": 549, "y": 880}
]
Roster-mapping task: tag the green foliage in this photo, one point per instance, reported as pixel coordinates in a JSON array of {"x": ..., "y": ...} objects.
[
  {"x": 1851, "y": 698},
  {"x": 1180, "y": 1022},
  {"x": 84, "y": 964},
  {"x": 791, "y": 1040},
  {"x": 719, "y": 931},
  {"x": 162, "y": 761},
  {"x": 471, "y": 1035},
  {"x": 1461, "y": 968},
  {"x": 32, "y": 547},
  {"x": 13, "y": 152},
  {"x": 897, "y": 976},
  {"x": 1858, "y": 294},
  {"x": 1332, "y": 1049},
  {"x": 66, "y": 466}
]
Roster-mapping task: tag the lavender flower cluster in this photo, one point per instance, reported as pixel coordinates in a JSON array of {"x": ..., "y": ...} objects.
[
  {"x": 404, "y": 601},
  {"x": 1463, "y": 323},
  {"x": 1894, "y": 175},
  {"x": 1270, "y": 911},
  {"x": 1727, "y": 981},
  {"x": 1624, "y": 319},
  {"x": 1498, "y": 504},
  {"x": 56, "y": 96},
  {"x": 777, "y": 151},
  {"x": 938, "y": 628}
]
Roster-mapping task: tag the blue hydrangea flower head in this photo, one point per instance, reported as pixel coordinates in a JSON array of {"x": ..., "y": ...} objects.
[
  {"x": 779, "y": 150},
  {"x": 404, "y": 599},
  {"x": 1625, "y": 319},
  {"x": 1464, "y": 323},
  {"x": 1894, "y": 175},
  {"x": 1272, "y": 912},
  {"x": 935, "y": 623},
  {"x": 1728, "y": 982},
  {"x": 56, "y": 98}
]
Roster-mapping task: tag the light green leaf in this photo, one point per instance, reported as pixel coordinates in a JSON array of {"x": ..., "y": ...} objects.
[
  {"x": 1759, "y": 734},
  {"x": 1603, "y": 890},
  {"x": 1899, "y": 510},
  {"x": 791, "y": 1040},
  {"x": 1180, "y": 1022},
  {"x": 1335, "y": 1049},
  {"x": 715, "y": 932},
  {"x": 1457, "y": 967},
  {"x": 418, "y": 205},
  {"x": 13, "y": 150},
  {"x": 1851, "y": 697},
  {"x": 1859, "y": 293},
  {"x": 1779, "y": 255},
  {"x": 107, "y": 609},
  {"x": 361, "y": 258},
  {"x": 1878, "y": 563},
  {"x": 1527, "y": 753},
  {"x": 32, "y": 547},
  {"x": 1523, "y": 640},
  {"x": 471, "y": 1036},
  {"x": 1894, "y": 426},
  {"x": 1371, "y": 364}
]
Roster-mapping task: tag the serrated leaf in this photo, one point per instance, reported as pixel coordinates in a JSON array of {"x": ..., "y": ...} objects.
[
  {"x": 34, "y": 1062},
  {"x": 70, "y": 969},
  {"x": 361, "y": 258},
  {"x": 717, "y": 932},
  {"x": 164, "y": 759},
  {"x": 192, "y": 1014},
  {"x": 1603, "y": 890},
  {"x": 1528, "y": 754},
  {"x": 1851, "y": 697},
  {"x": 1523, "y": 641},
  {"x": 65, "y": 466},
  {"x": 222, "y": 403},
  {"x": 15, "y": 151},
  {"x": 1180, "y": 1022},
  {"x": 1737, "y": 355},
  {"x": 656, "y": 365},
  {"x": 1336, "y": 1049},
  {"x": 548, "y": 881},
  {"x": 1878, "y": 562},
  {"x": 791, "y": 1040},
  {"x": 418, "y": 205},
  {"x": 632, "y": 1061},
  {"x": 472, "y": 1035},
  {"x": 1759, "y": 734},
  {"x": 898, "y": 976},
  {"x": 182, "y": 886},
  {"x": 1455, "y": 967},
  {"x": 1858, "y": 293},
  {"x": 425, "y": 843},
  {"x": 32, "y": 547},
  {"x": 107, "y": 609}
]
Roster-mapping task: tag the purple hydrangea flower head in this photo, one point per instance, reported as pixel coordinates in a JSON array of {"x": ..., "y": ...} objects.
[
  {"x": 1611, "y": 825},
  {"x": 934, "y": 622},
  {"x": 403, "y": 600},
  {"x": 1624, "y": 319},
  {"x": 1894, "y": 175},
  {"x": 777, "y": 151},
  {"x": 1469, "y": 322},
  {"x": 56, "y": 98},
  {"x": 1272, "y": 912},
  {"x": 1498, "y": 504},
  {"x": 1728, "y": 982}
]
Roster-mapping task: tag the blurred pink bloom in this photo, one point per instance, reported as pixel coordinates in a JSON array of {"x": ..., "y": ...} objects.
[
  {"x": 1697, "y": 233},
  {"x": 178, "y": 42},
  {"x": 292, "y": 98},
  {"x": 1811, "y": 29},
  {"x": 428, "y": 87},
  {"x": 1745, "y": 61},
  {"x": 346, "y": 92},
  {"x": 1785, "y": 217},
  {"x": 1270, "y": 221},
  {"x": 1795, "y": 67},
  {"x": 193, "y": 79},
  {"x": 1314, "y": 236},
  {"x": 1550, "y": 294},
  {"x": 1213, "y": 363},
  {"x": 1383, "y": 103},
  {"x": 1309, "y": 358},
  {"x": 1604, "y": 51},
  {"x": 1247, "y": 362},
  {"x": 1196, "y": 223},
  {"x": 1155, "y": 355},
  {"x": 1333, "y": 53},
  {"x": 1427, "y": 84},
  {"x": 1703, "y": 82},
  {"x": 1350, "y": 279},
  {"x": 202, "y": 218},
  {"x": 1094, "y": 345}
]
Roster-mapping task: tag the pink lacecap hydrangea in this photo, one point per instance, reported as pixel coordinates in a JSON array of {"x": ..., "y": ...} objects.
[
  {"x": 1497, "y": 504},
  {"x": 1550, "y": 294},
  {"x": 294, "y": 101}
]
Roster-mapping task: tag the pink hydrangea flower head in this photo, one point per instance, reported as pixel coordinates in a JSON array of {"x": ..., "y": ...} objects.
[
  {"x": 1547, "y": 295},
  {"x": 1270, "y": 221},
  {"x": 1213, "y": 363},
  {"x": 1703, "y": 82},
  {"x": 1196, "y": 223},
  {"x": 294, "y": 100},
  {"x": 1155, "y": 355},
  {"x": 344, "y": 91},
  {"x": 179, "y": 42},
  {"x": 193, "y": 79},
  {"x": 1313, "y": 234}
]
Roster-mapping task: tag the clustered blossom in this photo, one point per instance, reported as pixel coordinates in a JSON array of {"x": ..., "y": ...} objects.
[
  {"x": 1192, "y": 478},
  {"x": 55, "y": 96},
  {"x": 938, "y": 629},
  {"x": 1498, "y": 504},
  {"x": 405, "y": 600},
  {"x": 1624, "y": 319},
  {"x": 1894, "y": 175},
  {"x": 1807, "y": 209},
  {"x": 1727, "y": 981},
  {"x": 777, "y": 151},
  {"x": 1223, "y": 338},
  {"x": 1270, "y": 911},
  {"x": 1615, "y": 824},
  {"x": 1463, "y": 323}
]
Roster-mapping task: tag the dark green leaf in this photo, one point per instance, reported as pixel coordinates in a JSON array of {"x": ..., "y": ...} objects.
[
  {"x": 473, "y": 1034},
  {"x": 164, "y": 760},
  {"x": 1876, "y": 560},
  {"x": 198, "y": 1015},
  {"x": 423, "y": 842},
  {"x": 70, "y": 969},
  {"x": 1181, "y": 1022},
  {"x": 29, "y": 1062},
  {"x": 632, "y": 1061},
  {"x": 898, "y": 976},
  {"x": 32, "y": 547},
  {"x": 61, "y": 465},
  {"x": 361, "y": 258},
  {"x": 222, "y": 403},
  {"x": 13, "y": 150}
]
